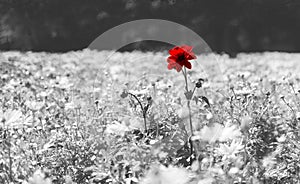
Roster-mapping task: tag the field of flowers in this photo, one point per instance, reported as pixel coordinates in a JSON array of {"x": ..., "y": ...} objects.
[{"x": 105, "y": 117}]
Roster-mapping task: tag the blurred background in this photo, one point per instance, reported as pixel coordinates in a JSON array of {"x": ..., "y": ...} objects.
[{"x": 229, "y": 26}]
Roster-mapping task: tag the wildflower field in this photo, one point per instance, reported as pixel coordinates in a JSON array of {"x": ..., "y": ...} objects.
[{"x": 109, "y": 117}]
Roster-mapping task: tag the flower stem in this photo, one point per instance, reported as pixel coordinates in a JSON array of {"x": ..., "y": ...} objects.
[
  {"x": 190, "y": 117},
  {"x": 189, "y": 108},
  {"x": 189, "y": 101},
  {"x": 185, "y": 79},
  {"x": 142, "y": 108}
]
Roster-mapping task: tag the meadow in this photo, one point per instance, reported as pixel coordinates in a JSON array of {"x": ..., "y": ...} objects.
[{"x": 109, "y": 117}]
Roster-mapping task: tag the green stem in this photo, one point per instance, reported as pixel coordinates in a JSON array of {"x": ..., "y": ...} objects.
[
  {"x": 189, "y": 108},
  {"x": 145, "y": 122},
  {"x": 190, "y": 116},
  {"x": 185, "y": 79},
  {"x": 142, "y": 108},
  {"x": 189, "y": 101}
]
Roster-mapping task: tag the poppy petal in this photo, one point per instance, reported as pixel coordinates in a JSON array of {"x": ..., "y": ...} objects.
[
  {"x": 175, "y": 65},
  {"x": 178, "y": 67},
  {"x": 175, "y": 51},
  {"x": 187, "y": 48},
  {"x": 188, "y": 65},
  {"x": 172, "y": 59},
  {"x": 172, "y": 65},
  {"x": 191, "y": 55}
]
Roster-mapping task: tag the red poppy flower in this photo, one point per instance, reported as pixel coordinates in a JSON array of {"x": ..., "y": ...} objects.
[{"x": 180, "y": 56}]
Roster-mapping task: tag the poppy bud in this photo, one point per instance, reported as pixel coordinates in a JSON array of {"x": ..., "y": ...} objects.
[
  {"x": 199, "y": 83},
  {"x": 124, "y": 94},
  {"x": 149, "y": 98}
]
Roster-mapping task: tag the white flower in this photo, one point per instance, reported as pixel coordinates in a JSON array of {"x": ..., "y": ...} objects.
[
  {"x": 231, "y": 150},
  {"x": 209, "y": 133},
  {"x": 68, "y": 180},
  {"x": 70, "y": 105},
  {"x": 195, "y": 166},
  {"x": 209, "y": 180},
  {"x": 216, "y": 170},
  {"x": 139, "y": 92},
  {"x": 34, "y": 105},
  {"x": 230, "y": 132},
  {"x": 63, "y": 82},
  {"x": 245, "y": 122},
  {"x": 233, "y": 170},
  {"x": 298, "y": 115},
  {"x": 282, "y": 138},
  {"x": 219, "y": 132},
  {"x": 117, "y": 129},
  {"x": 12, "y": 118},
  {"x": 163, "y": 84},
  {"x": 268, "y": 161},
  {"x": 243, "y": 92},
  {"x": 209, "y": 116},
  {"x": 131, "y": 180},
  {"x": 39, "y": 178},
  {"x": 133, "y": 122},
  {"x": 166, "y": 175}
]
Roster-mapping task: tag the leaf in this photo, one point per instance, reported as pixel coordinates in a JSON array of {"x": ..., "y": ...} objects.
[
  {"x": 196, "y": 100},
  {"x": 203, "y": 98},
  {"x": 188, "y": 95}
]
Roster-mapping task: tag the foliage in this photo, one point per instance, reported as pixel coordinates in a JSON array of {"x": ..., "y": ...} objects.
[{"x": 64, "y": 119}]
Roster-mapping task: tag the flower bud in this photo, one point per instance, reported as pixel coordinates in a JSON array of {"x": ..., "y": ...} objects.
[
  {"x": 124, "y": 94},
  {"x": 149, "y": 98},
  {"x": 199, "y": 83}
]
